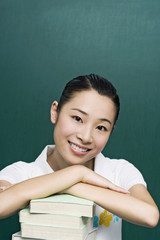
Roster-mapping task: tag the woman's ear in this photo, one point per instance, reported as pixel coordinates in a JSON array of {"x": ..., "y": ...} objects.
[{"x": 53, "y": 112}]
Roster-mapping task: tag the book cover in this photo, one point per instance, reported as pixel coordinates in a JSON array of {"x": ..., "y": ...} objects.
[{"x": 62, "y": 204}]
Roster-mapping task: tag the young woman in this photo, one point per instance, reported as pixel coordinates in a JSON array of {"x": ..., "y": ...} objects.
[{"x": 84, "y": 119}]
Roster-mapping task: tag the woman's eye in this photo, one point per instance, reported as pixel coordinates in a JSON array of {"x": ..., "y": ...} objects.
[
  {"x": 102, "y": 128},
  {"x": 78, "y": 119}
]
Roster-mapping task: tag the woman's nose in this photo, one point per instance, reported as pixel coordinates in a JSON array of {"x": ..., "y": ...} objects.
[{"x": 85, "y": 134}]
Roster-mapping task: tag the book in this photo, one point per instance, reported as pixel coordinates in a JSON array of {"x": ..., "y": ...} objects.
[
  {"x": 57, "y": 233},
  {"x": 63, "y": 204},
  {"x": 17, "y": 236},
  {"x": 58, "y": 217},
  {"x": 51, "y": 219}
]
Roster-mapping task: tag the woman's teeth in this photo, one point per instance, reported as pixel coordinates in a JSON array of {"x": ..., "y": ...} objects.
[{"x": 78, "y": 148}]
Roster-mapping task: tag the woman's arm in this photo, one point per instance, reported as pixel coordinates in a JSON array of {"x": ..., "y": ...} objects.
[
  {"x": 137, "y": 207},
  {"x": 18, "y": 196}
]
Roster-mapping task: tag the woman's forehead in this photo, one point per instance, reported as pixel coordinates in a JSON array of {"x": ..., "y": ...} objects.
[
  {"x": 89, "y": 97},
  {"x": 91, "y": 102}
]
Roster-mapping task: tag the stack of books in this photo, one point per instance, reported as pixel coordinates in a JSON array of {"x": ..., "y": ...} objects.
[{"x": 57, "y": 217}]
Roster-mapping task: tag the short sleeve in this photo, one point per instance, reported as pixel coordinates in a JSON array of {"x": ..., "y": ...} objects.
[
  {"x": 15, "y": 172},
  {"x": 128, "y": 175}
]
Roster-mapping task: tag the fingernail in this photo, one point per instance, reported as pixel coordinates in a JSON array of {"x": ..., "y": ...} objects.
[{"x": 3, "y": 188}]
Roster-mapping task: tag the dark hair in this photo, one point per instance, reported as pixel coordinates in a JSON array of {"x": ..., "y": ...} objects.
[{"x": 89, "y": 82}]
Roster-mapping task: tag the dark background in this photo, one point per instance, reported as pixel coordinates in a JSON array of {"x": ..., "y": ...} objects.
[{"x": 44, "y": 44}]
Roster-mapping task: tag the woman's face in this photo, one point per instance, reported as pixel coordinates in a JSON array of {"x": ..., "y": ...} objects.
[{"x": 82, "y": 127}]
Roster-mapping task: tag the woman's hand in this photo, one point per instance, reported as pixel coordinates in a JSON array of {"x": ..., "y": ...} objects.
[
  {"x": 4, "y": 185},
  {"x": 95, "y": 179},
  {"x": 4, "y": 188}
]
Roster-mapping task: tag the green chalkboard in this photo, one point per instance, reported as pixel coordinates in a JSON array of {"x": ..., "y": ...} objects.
[{"x": 45, "y": 43}]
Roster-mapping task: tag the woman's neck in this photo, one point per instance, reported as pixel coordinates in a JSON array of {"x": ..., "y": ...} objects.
[{"x": 56, "y": 162}]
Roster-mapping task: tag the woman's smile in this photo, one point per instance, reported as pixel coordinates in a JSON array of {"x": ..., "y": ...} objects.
[{"x": 77, "y": 149}]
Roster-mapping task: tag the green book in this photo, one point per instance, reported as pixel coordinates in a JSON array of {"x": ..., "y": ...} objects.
[
  {"x": 61, "y": 220},
  {"x": 56, "y": 233},
  {"x": 63, "y": 204},
  {"x": 17, "y": 236}
]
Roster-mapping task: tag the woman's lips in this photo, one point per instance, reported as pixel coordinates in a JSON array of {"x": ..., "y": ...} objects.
[{"x": 78, "y": 149}]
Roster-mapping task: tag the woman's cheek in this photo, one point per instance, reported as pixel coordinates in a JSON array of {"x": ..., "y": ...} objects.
[
  {"x": 65, "y": 128},
  {"x": 100, "y": 144}
]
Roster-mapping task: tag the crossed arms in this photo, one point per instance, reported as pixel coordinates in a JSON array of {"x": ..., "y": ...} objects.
[{"x": 80, "y": 181}]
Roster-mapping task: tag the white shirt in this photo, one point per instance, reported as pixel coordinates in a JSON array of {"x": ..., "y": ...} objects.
[{"x": 120, "y": 172}]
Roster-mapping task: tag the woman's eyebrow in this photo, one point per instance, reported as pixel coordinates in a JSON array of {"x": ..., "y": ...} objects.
[
  {"x": 79, "y": 110},
  {"x": 101, "y": 119},
  {"x": 105, "y": 120}
]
